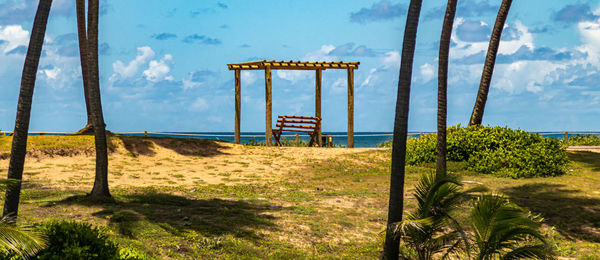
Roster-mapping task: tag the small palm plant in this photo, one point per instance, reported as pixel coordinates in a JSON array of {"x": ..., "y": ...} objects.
[
  {"x": 430, "y": 230},
  {"x": 505, "y": 231},
  {"x": 20, "y": 240}
]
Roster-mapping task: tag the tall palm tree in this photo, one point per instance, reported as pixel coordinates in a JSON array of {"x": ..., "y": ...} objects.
[
  {"x": 82, "y": 34},
  {"x": 396, "y": 203},
  {"x": 100, "y": 189},
  {"x": 19, "y": 144},
  {"x": 443, "y": 86},
  {"x": 490, "y": 61}
]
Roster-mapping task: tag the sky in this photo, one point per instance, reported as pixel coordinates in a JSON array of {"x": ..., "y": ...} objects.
[{"x": 163, "y": 63}]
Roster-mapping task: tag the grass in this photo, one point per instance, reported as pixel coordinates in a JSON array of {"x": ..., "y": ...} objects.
[{"x": 332, "y": 208}]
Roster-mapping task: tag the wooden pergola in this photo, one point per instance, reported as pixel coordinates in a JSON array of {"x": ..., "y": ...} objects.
[{"x": 318, "y": 67}]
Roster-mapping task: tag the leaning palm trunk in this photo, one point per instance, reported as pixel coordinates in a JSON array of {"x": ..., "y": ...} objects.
[
  {"x": 100, "y": 189},
  {"x": 443, "y": 86},
  {"x": 490, "y": 61},
  {"x": 392, "y": 242},
  {"x": 82, "y": 34},
  {"x": 19, "y": 144}
]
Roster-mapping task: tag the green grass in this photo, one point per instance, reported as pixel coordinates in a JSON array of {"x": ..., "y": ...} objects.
[{"x": 334, "y": 208}]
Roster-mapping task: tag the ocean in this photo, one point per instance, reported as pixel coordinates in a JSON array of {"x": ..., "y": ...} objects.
[{"x": 361, "y": 139}]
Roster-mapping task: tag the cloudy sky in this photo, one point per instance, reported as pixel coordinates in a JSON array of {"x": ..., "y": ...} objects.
[{"x": 163, "y": 63}]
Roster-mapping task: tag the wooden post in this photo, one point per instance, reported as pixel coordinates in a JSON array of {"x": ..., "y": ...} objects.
[
  {"x": 566, "y": 137},
  {"x": 145, "y": 133},
  {"x": 350, "y": 108},
  {"x": 297, "y": 140},
  {"x": 318, "y": 104},
  {"x": 268, "y": 103},
  {"x": 237, "y": 106}
]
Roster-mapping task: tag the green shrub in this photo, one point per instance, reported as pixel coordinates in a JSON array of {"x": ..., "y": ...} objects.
[
  {"x": 583, "y": 140},
  {"x": 499, "y": 151},
  {"x": 72, "y": 240},
  {"x": 132, "y": 254}
]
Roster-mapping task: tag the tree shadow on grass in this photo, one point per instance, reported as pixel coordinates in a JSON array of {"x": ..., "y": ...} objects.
[
  {"x": 177, "y": 214},
  {"x": 137, "y": 145},
  {"x": 572, "y": 215},
  {"x": 591, "y": 159}
]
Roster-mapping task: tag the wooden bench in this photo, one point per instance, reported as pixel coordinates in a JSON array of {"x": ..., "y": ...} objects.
[{"x": 303, "y": 124}]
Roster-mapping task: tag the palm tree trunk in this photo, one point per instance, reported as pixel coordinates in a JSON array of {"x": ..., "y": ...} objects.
[
  {"x": 396, "y": 203},
  {"x": 490, "y": 61},
  {"x": 100, "y": 189},
  {"x": 443, "y": 87},
  {"x": 19, "y": 144},
  {"x": 81, "y": 32}
]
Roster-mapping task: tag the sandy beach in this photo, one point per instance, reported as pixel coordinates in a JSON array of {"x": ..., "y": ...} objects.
[{"x": 138, "y": 162}]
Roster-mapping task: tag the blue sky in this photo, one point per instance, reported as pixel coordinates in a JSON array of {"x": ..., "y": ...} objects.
[{"x": 163, "y": 63}]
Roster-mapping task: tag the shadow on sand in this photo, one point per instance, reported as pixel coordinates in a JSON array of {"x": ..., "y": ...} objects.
[
  {"x": 574, "y": 216},
  {"x": 176, "y": 214},
  {"x": 137, "y": 145}
]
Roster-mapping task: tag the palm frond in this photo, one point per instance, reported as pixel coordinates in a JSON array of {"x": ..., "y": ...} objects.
[
  {"x": 22, "y": 240},
  {"x": 541, "y": 251},
  {"x": 499, "y": 225},
  {"x": 411, "y": 225}
]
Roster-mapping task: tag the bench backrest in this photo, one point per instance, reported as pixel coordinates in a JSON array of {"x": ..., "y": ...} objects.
[{"x": 306, "y": 124}]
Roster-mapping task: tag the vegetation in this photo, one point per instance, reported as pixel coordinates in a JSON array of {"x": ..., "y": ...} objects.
[
  {"x": 498, "y": 151},
  {"x": 499, "y": 227},
  {"x": 583, "y": 140},
  {"x": 299, "y": 214},
  {"x": 430, "y": 229},
  {"x": 286, "y": 142},
  {"x": 73, "y": 240}
]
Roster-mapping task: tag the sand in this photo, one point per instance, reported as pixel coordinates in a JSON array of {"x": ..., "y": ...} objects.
[{"x": 140, "y": 162}]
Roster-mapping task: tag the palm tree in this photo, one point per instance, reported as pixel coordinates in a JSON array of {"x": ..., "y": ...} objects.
[
  {"x": 490, "y": 61},
  {"x": 82, "y": 33},
  {"x": 100, "y": 189},
  {"x": 430, "y": 230},
  {"x": 443, "y": 86},
  {"x": 19, "y": 144},
  {"x": 502, "y": 229},
  {"x": 396, "y": 203}
]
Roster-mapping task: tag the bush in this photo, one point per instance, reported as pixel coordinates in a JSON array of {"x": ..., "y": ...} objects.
[
  {"x": 72, "y": 240},
  {"x": 499, "y": 151},
  {"x": 583, "y": 140},
  {"x": 132, "y": 254}
]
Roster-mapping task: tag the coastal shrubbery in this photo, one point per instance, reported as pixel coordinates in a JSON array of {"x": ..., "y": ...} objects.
[
  {"x": 583, "y": 140},
  {"x": 500, "y": 151}
]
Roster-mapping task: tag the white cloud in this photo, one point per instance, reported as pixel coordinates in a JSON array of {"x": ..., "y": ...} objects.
[
  {"x": 144, "y": 54},
  {"x": 466, "y": 48},
  {"x": 369, "y": 78},
  {"x": 248, "y": 77},
  {"x": 159, "y": 70},
  {"x": 339, "y": 86},
  {"x": 321, "y": 54},
  {"x": 51, "y": 74},
  {"x": 427, "y": 72},
  {"x": 391, "y": 60},
  {"x": 14, "y": 35},
  {"x": 293, "y": 75},
  {"x": 199, "y": 105},
  {"x": 590, "y": 36}
]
